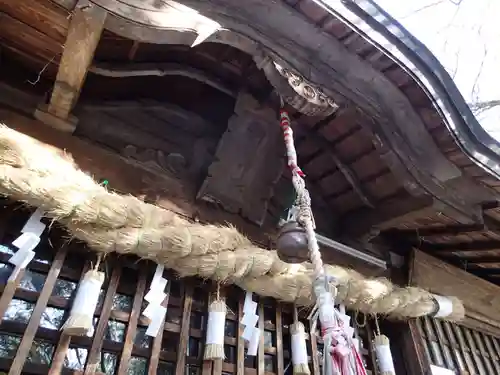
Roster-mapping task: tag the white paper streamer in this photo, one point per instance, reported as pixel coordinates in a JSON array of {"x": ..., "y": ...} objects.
[
  {"x": 384, "y": 357},
  {"x": 156, "y": 320},
  {"x": 155, "y": 296},
  {"x": 34, "y": 225},
  {"x": 254, "y": 342},
  {"x": 26, "y": 242},
  {"x": 248, "y": 332},
  {"x": 435, "y": 370},
  {"x": 250, "y": 318},
  {"x": 299, "y": 350},
  {"x": 215, "y": 327},
  {"x": 445, "y": 306}
]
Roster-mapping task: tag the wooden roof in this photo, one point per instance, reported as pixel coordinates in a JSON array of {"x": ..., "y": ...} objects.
[{"x": 450, "y": 209}]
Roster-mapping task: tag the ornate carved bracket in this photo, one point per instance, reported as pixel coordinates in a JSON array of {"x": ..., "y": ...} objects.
[{"x": 301, "y": 94}]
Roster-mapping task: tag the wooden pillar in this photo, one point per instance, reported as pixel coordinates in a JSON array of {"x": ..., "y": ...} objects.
[{"x": 85, "y": 29}]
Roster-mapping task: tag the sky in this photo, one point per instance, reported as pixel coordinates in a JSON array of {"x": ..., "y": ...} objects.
[{"x": 465, "y": 36}]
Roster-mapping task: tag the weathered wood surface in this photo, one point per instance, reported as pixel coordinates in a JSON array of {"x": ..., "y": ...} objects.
[
  {"x": 249, "y": 161},
  {"x": 402, "y": 138},
  {"x": 41, "y": 15},
  {"x": 481, "y": 299},
  {"x": 163, "y": 136},
  {"x": 85, "y": 28},
  {"x": 129, "y": 177}
]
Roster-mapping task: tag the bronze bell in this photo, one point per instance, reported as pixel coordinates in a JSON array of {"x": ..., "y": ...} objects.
[{"x": 292, "y": 243}]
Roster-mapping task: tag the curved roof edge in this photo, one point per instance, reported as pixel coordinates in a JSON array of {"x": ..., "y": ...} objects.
[{"x": 373, "y": 23}]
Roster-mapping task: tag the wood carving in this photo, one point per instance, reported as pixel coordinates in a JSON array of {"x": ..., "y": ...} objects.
[
  {"x": 301, "y": 94},
  {"x": 249, "y": 161},
  {"x": 148, "y": 134}
]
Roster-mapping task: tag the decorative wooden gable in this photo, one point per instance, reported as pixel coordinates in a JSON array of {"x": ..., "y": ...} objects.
[{"x": 249, "y": 161}]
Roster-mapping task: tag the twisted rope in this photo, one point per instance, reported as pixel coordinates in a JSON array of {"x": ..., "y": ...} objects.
[
  {"x": 344, "y": 356},
  {"x": 40, "y": 176}
]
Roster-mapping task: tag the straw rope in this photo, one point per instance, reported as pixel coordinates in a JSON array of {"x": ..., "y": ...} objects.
[{"x": 43, "y": 177}]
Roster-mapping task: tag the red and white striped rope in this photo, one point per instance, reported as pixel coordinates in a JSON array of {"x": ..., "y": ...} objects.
[
  {"x": 343, "y": 354},
  {"x": 290, "y": 147}
]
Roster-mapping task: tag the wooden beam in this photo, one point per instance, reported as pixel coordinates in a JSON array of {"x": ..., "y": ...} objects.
[
  {"x": 482, "y": 271},
  {"x": 346, "y": 170},
  {"x": 391, "y": 212},
  {"x": 481, "y": 299},
  {"x": 85, "y": 29},
  {"x": 417, "y": 233},
  {"x": 474, "y": 260},
  {"x": 459, "y": 246}
]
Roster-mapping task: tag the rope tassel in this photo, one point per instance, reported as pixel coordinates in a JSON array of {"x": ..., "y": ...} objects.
[
  {"x": 214, "y": 346},
  {"x": 299, "y": 350},
  {"x": 383, "y": 351},
  {"x": 81, "y": 316}
]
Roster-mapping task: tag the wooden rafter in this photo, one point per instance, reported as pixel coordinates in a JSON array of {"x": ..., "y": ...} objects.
[
  {"x": 346, "y": 170},
  {"x": 460, "y": 246},
  {"x": 475, "y": 259},
  {"x": 452, "y": 229}
]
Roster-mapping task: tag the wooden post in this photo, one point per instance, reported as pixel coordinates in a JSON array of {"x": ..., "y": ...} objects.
[
  {"x": 132, "y": 323},
  {"x": 280, "y": 362},
  {"x": 95, "y": 350},
  {"x": 260, "y": 352},
  {"x": 62, "y": 348},
  {"x": 85, "y": 29},
  {"x": 184, "y": 332},
  {"x": 156, "y": 349},
  {"x": 41, "y": 304},
  {"x": 240, "y": 357}
]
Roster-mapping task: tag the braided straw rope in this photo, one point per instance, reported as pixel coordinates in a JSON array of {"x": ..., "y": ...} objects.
[{"x": 43, "y": 177}]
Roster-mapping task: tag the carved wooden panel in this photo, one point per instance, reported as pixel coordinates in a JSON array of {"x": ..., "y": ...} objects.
[
  {"x": 163, "y": 137},
  {"x": 249, "y": 160}
]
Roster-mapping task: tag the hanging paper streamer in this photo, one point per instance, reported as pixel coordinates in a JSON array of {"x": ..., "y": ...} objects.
[
  {"x": 214, "y": 343},
  {"x": 383, "y": 351},
  {"x": 155, "y": 311},
  {"x": 81, "y": 316},
  {"x": 26, "y": 243},
  {"x": 253, "y": 344},
  {"x": 251, "y": 333}
]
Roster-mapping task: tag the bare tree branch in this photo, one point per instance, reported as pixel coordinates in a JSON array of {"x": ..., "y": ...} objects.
[{"x": 480, "y": 107}]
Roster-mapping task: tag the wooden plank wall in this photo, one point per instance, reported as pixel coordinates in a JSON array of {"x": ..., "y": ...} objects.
[
  {"x": 480, "y": 298},
  {"x": 30, "y": 341},
  {"x": 458, "y": 348}
]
